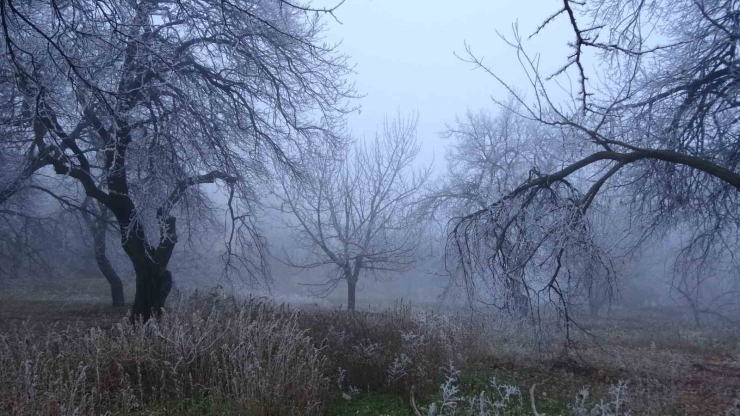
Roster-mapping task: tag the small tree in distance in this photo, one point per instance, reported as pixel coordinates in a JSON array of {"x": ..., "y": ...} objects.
[{"x": 356, "y": 212}]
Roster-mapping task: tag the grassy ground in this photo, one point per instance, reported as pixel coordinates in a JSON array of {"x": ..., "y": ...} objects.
[{"x": 670, "y": 367}]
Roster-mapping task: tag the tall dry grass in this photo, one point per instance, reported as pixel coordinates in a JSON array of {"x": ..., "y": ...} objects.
[
  {"x": 394, "y": 350},
  {"x": 250, "y": 351},
  {"x": 270, "y": 360}
]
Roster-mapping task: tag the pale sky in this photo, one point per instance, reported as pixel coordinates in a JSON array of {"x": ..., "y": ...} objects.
[{"x": 403, "y": 52}]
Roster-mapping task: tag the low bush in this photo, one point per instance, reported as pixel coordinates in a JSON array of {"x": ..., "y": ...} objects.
[{"x": 392, "y": 351}]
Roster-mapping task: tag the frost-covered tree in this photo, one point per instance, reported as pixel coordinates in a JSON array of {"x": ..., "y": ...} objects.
[
  {"x": 489, "y": 155},
  {"x": 356, "y": 210},
  {"x": 140, "y": 103},
  {"x": 656, "y": 123}
]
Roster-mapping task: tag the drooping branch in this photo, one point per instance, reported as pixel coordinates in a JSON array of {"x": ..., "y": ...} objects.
[
  {"x": 656, "y": 142},
  {"x": 624, "y": 159}
]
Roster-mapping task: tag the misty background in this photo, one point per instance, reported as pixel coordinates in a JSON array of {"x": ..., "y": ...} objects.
[{"x": 406, "y": 59}]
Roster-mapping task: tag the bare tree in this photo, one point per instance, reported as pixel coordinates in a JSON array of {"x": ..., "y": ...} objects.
[
  {"x": 141, "y": 102},
  {"x": 660, "y": 128},
  {"x": 490, "y": 154},
  {"x": 356, "y": 212}
]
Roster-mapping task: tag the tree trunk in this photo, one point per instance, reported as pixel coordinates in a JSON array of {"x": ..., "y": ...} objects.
[
  {"x": 98, "y": 228},
  {"x": 517, "y": 302},
  {"x": 116, "y": 286},
  {"x": 352, "y": 275},
  {"x": 153, "y": 280},
  {"x": 697, "y": 314},
  {"x": 351, "y": 289},
  {"x": 153, "y": 285}
]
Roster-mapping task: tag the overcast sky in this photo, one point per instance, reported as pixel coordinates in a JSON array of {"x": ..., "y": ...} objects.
[{"x": 404, "y": 56}]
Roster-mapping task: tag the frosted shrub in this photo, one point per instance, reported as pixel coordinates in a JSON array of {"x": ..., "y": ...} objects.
[
  {"x": 734, "y": 409},
  {"x": 613, "y": 407},
  {"x": 496, "y": 401},
  {"x": 367, "y": 349},
  {"x": 398, "y": 368}
]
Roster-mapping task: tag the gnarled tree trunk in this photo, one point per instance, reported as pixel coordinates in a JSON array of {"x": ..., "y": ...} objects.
[
  {"x": 153, "y": 285},
  {"x": 518, "y": 302},
  {"x": 153, "y": 280}
]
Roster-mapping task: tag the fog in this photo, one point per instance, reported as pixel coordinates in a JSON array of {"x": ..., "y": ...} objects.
[
  {"x": 461, "y": 72},
  {"x": 369, "y": 207}
]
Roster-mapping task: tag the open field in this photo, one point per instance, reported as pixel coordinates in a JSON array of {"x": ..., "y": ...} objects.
[{"x": 214, "y": 355}]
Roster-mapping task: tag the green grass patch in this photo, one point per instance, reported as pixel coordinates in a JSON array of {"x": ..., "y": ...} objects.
[
  {"x": 203, "y": 405},
  {"x": 375, "y": 404}
]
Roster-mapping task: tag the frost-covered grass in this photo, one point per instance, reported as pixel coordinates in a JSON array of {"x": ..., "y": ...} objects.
[
  {"x": 214, "y": 355},
  {"x": 251, "y": 353}
]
